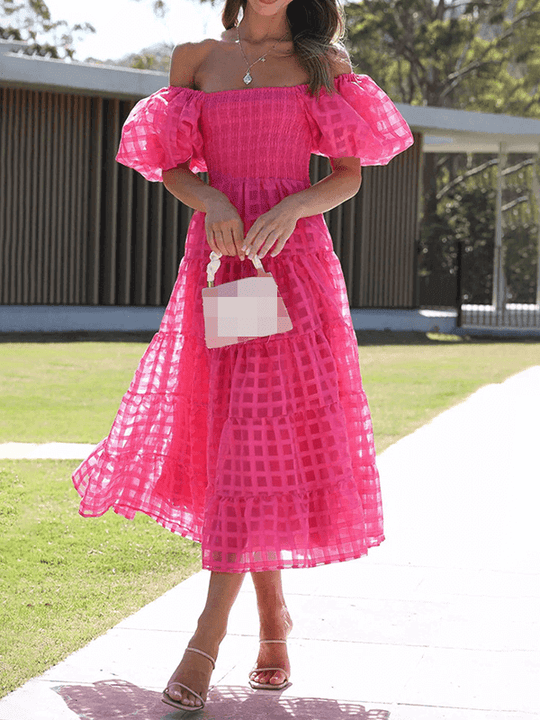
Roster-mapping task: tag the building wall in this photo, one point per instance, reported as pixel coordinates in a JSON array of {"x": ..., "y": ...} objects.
[{"x": 78, "y": 228}]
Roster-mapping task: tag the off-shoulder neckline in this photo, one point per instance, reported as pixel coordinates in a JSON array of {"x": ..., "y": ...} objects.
[{"x": 265, "y": 87}]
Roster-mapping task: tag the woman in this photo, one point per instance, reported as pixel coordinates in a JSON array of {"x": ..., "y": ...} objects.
[{"x": 262, "y": 451}]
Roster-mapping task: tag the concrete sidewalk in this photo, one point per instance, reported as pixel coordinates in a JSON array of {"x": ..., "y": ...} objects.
[{"x": 440, "y": 622}]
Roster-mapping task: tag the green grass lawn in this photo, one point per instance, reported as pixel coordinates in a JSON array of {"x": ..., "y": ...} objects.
[
  {"x": 71, "y": 391},
  {"x": 409, "y": 384},
  {"x": 65, "y": 579}
]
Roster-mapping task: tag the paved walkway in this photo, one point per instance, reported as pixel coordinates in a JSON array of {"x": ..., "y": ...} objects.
[{"x": 439, "y": 623}]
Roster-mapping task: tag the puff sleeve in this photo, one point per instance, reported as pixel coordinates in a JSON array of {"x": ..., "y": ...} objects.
[
  {"x": 361, "y": 121},
  {"x": 162, "y": 131}
]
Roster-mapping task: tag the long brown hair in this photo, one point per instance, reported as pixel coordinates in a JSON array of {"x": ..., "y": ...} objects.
[{"x": 317, "y": 28}]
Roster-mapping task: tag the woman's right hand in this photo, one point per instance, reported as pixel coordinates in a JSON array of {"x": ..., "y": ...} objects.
[{"x": 224, "y": 228}]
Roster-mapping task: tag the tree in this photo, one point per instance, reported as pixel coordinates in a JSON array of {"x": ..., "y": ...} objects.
[
  {"x": 156, "y": 57},
  {"x": 30, "y": 21},
  {"x": 451, "y": 54},
  {"x": 477, "y": 55}
]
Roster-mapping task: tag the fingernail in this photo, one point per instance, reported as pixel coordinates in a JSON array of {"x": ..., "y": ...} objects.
[{"x": 244, "y": 247}]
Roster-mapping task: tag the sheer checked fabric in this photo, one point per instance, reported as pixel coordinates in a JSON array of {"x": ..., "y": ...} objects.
[{"x": 263, "y": 450}]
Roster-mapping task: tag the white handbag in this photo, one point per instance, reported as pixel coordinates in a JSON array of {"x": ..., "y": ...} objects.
[{"x": 243, "y": 309}]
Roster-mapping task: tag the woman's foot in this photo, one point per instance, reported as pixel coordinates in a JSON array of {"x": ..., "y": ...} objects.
[
  {"x": 194, "y": 669},
  {"x": 275, "y": 627}
]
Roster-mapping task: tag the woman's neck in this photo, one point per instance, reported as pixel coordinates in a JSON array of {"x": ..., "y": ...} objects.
[{"x": 258, "y": 29}]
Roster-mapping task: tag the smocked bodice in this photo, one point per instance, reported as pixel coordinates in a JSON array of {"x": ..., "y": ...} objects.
[
  {"x": 267, "y": 136},
  {"x": 262, "y": 133}
]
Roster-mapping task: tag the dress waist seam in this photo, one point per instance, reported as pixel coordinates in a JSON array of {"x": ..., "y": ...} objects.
[{"x": 212, "y": 175}]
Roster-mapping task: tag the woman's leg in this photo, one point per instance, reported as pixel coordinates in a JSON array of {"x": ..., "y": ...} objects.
[
  {"x": 195, "y": 670},
  {"x": 275, "y": 624}
]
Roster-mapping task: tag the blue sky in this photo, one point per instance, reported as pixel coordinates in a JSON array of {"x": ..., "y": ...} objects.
[{"x": 125, "y": 26}]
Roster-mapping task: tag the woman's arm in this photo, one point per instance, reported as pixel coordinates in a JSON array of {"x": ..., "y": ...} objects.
[
  {"x": 185, "y": 185},
  {"x": 345, "y": 180},
  {"x": 190, "y": 189},
  {"x": 342, "y": 184},
  {"x": 278, "y": 224}
]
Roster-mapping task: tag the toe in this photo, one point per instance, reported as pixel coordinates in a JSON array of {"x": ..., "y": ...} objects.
[
  {"x": 190, "y": 700},
  {"x": 277, "y": 678},
  {"x": 183, "y": 697}
]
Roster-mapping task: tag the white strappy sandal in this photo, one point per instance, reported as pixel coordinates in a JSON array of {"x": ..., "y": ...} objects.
[
  {"x": 268, "y": 686},
  {"x": 166, "y": 698}
]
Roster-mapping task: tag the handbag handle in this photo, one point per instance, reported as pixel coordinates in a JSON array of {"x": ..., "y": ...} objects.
[{"x": 215, "y": 262}]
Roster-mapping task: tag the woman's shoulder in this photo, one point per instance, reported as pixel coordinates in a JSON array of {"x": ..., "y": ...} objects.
[
  {"x": 186, "y": 58},
  {"x": 340, "y": 60}
]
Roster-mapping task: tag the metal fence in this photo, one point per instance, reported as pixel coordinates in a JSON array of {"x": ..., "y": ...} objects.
[
  {"x": 511, "y": 316},
  {"x": 499, "y": 314}
]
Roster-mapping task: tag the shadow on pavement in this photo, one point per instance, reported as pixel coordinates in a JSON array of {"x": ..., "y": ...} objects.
[{"x": 119, "y": 699}]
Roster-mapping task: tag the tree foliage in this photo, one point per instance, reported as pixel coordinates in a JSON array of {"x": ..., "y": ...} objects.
[
  {"x": 30, "y": 21},
  {"x": 466, "y": 215},
  {"x": 156, "y": 57},
  {"x": 473, "y": 55},
  {"x": 470, "y": 55}
]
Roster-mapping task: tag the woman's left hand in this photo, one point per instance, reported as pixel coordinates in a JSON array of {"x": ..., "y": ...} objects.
[{"x": 277, "y": 224}]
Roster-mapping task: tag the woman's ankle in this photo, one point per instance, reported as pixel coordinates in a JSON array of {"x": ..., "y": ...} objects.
[
  {"x": 276, "y": 622},
  {"x": 210, "y": 630}
]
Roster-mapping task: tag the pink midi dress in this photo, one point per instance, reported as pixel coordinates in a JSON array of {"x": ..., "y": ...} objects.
[{"x": 261, "y": 451}]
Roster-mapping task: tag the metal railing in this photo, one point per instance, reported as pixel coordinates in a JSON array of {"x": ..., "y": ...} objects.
[{"x": 499, "y": 314}]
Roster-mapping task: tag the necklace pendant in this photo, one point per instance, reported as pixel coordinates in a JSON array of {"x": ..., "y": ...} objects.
[
  {"x": 247, "y": 78},
  {"x": 263, "y": 59}
]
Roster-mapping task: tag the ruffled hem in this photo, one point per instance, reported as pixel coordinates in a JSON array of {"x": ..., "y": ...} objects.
[
  {"x": 249, "y": 562},
  {"x": 329, "y": 521},
  {"x": 119, "y": 481},
  {"x": 283, "y": 560},
  {"x": 294, "y": 529}
]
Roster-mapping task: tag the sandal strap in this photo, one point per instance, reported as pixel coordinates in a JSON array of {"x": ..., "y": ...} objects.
[
  {"x": 185, "y": 688},
  {"x": 272, "y": 641},
  {"x": 259, "y": 670},
  {"x": 206, "y": 655}
]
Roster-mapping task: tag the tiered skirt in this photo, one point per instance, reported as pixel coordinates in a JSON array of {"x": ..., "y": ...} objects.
[{"x": 261, "y": 451}]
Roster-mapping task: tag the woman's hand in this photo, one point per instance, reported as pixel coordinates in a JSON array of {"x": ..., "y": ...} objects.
[
  {"x": 224, "y": 228},
  {"x": 277, "y": 224}
]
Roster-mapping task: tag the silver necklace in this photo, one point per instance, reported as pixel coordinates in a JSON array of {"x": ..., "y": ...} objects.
[{"x": 247, "y": 77}]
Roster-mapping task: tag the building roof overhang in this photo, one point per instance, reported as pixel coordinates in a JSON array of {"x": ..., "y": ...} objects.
[{"x": 446, "y": 130}]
